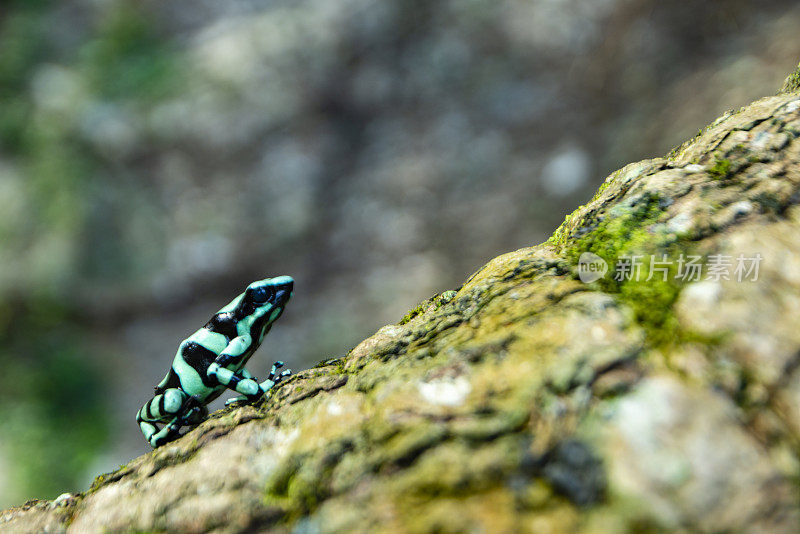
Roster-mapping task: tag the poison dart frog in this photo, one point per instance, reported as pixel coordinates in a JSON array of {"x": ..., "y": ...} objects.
[{"x": 213, "y": 359}]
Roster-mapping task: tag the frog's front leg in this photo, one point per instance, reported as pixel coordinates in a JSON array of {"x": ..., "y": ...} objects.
[
  {"x": 236, "y": 381},
  {"x": 273, "y": 378},
  {"x": 244, "y": 374}
]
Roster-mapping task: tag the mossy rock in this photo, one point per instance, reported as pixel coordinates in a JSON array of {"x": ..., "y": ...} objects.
[
  {"x": 528, "y": 400},
  {"x": 792, "y": 82}
]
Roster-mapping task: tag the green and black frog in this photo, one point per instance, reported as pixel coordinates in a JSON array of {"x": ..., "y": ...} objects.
[{"x": 212, "y": 360}]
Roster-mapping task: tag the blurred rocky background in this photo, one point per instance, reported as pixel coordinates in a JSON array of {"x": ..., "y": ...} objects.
[{"x": 155, "y": 157}]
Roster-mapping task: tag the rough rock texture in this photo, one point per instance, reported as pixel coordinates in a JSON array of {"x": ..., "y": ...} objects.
[
  {"x": 527, "y": 400},
  {"x": 157, "y": 156}
]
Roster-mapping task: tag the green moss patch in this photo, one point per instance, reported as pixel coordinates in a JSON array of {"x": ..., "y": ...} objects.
[
  {"x": 721, "y": 169},
  {"x": 631, "y": 232},
  {"x": 792, "y": 82}
]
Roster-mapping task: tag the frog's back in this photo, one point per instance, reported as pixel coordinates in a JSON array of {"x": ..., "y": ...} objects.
[{"x": 197, "y": 352}]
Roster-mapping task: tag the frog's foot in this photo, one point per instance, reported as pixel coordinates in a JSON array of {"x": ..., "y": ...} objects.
[
  {"x": 170, "y": 432},
  {"x": 243, "y": 374},
  {"x": 241, "y": 399},
  {"x": 246, "y": 399},
  {"x": 193, "y": 412},
  {"x": 274, "y": 377}
]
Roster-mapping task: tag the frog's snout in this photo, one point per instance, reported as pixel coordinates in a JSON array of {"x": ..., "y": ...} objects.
[{"x": 283, "y": 291}]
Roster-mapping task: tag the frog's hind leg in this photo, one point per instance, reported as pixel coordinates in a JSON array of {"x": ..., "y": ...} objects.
[{"x": 161, "y": 408}]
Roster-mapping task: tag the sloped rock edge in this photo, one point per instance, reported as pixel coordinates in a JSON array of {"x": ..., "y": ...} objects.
[{"x": 527, "y": 399}]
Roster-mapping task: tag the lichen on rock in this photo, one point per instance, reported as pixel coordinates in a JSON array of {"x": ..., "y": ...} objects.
[
  {"x": 527, "y": 400},
  {"x": 792, "y": 82}
]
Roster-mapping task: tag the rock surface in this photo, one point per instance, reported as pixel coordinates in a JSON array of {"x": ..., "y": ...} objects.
[
  {"x": 528, "y": 400},
  {"x": 157, "y": 156}
]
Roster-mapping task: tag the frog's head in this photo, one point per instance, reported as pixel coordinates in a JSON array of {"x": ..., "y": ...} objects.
[{"x": 263, "y": 301}]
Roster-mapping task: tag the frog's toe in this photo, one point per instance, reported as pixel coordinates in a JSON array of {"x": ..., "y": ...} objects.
[
  {"x": 241, "y": 399},
  {"x": 170, "y": 432},
  {"x": 283, "y": 376},
  {"x": 272, "y": 373},
  {"x": 274, "y": 376},
  {"x": 195, "y": 416}
]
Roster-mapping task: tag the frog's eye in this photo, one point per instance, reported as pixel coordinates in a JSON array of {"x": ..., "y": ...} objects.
[{"x": 262, "y": 294}]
